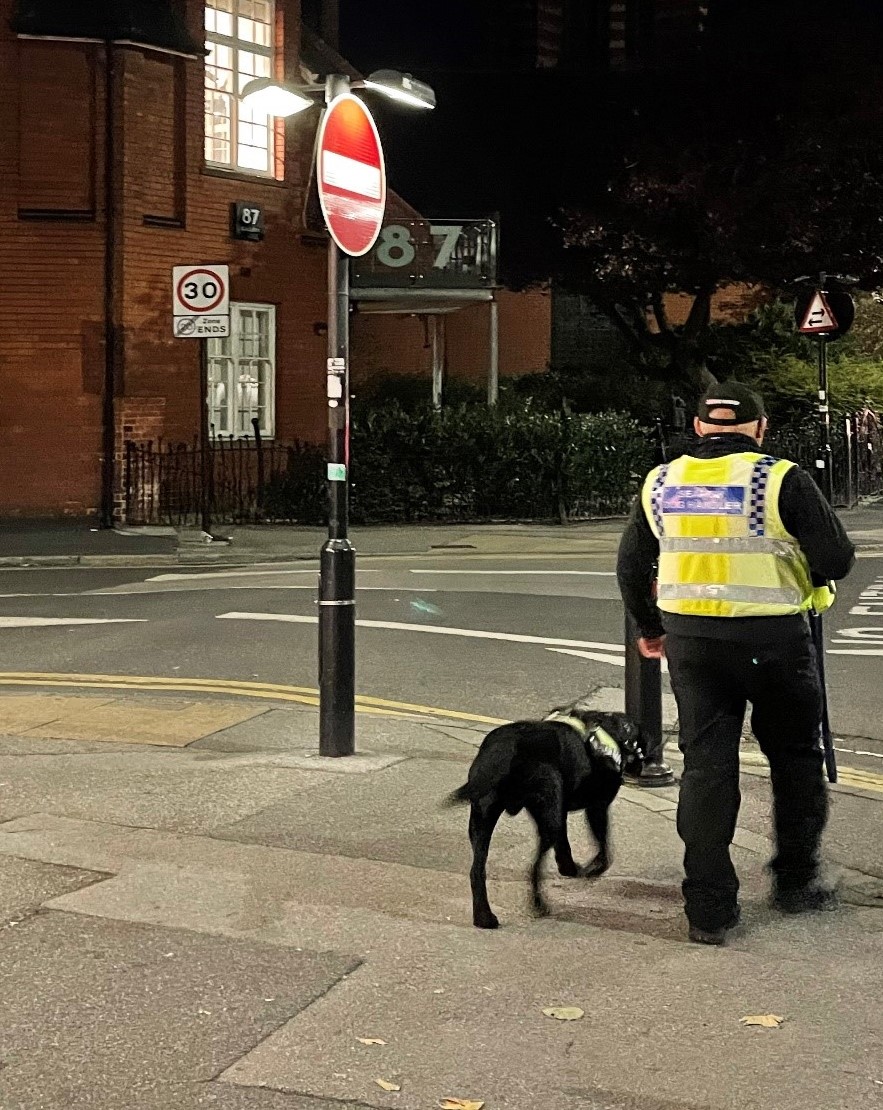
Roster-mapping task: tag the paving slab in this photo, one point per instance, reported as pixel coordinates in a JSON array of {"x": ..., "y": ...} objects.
[
  {"x": 136, "y": 1014},
  {"x": 166, "y": 722},
  {"x": 25, "y": 885},
  {"x": 398, "y": 817},
  {"x": 661, "y": 1022},
  {"x": 657, "y": 1009},
  {"x": 22, "y": 712},
  {"x": 162, "y": 788},
  {"x": 289, "y": 730}
]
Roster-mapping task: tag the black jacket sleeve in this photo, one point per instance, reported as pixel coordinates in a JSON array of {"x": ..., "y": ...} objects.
[
  {"x": 814, "y": 524},
  {"x": 635, "y": 571}
]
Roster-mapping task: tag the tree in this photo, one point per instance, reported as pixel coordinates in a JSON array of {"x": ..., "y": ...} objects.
[{"x": 744, "y": 167}]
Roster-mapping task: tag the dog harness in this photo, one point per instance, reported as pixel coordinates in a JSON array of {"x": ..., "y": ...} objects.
[{"x": 598, "y": 738}]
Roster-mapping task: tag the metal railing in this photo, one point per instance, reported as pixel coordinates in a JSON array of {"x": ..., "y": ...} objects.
[
  {"x": 234, "y": 482},
  {"x": 856, "y": 446}
]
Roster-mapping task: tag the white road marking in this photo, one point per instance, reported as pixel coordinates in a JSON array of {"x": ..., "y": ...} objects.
[
  {"x": 855, "y": 651},
  {"x": 858, "y": 751},
  {"x": 616, "y": 660},
  {"x": 52, "y": 622},
  {"x": 235, "y": 574},
  {"x": 438, "y": 630},
  {"x": 119, "y": 591},
  {"x": 495, "y": 573}
]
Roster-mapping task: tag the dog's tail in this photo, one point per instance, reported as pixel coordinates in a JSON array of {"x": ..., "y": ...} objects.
[{"x": 459, "y": 797}]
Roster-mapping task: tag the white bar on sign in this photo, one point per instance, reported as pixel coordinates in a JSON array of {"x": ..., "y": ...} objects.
[{"x": 347, "y": 173}]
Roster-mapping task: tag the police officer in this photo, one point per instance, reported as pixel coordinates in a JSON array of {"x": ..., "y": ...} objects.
[{"x": 745, "y": 546}]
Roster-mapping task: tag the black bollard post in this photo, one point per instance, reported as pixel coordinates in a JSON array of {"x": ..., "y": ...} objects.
[{"x": 643, "y": 702}]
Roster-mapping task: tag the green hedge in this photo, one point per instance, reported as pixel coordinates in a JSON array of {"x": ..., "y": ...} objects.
[{"x": 469, "y": 462}]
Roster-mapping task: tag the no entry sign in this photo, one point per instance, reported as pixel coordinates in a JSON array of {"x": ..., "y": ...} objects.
[{"x": 351, "y": 175}]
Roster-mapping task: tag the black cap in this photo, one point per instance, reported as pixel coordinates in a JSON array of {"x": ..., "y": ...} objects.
[{"x": 745, "y": 403}]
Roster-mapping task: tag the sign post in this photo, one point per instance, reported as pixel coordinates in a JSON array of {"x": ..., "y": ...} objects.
[
  {"x": 201, "y": 310},
  {"x": 351, "y": 178},
  {"x": 824, "y": 315}
]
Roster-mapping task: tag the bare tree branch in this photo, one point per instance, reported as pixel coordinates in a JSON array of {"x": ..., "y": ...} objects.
[
  {"x": 658, "y": 302},
  {"x": 700, "y": 314}
]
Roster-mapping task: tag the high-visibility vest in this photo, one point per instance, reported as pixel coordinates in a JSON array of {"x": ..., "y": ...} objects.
[{"x": 723, "y": 549}]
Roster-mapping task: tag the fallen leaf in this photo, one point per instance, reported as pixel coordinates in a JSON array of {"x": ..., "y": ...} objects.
[
  {"x": 370, "y": 1040},
  {"x": 766, "y": 1021},
  {"x": 460, "y": 1104},
  {"x": 564, "y": 1013},
  {"x": 386, "y": 1085}
]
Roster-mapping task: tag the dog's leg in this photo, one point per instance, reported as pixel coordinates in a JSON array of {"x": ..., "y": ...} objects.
[
  {"x": 482, "y": 822},
  {"x": 546, "y": 807},
  {"x": 548, "y": 835},
  {"x": 564, "y": 856},
  {"x": 598, "y": 818}
]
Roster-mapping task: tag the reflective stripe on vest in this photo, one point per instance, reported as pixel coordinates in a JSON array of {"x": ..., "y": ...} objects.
[
  {"x": 724, "y": 551},
  {"x": 725, "y": 546},
  {"x": 762, "y": 595}
]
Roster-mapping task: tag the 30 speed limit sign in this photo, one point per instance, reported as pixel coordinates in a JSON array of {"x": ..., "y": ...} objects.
[{"x": 201, "y": 300}]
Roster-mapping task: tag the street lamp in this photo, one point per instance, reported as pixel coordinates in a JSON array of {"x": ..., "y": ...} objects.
[{"x": 337, "y": 566}]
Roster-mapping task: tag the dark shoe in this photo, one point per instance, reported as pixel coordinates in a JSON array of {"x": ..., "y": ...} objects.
[
  {"x": 812, "y": 898},
  {"x": 715, "y": 936}
]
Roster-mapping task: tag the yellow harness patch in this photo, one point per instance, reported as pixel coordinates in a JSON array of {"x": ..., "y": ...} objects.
[{"x": 602, "y": 743}]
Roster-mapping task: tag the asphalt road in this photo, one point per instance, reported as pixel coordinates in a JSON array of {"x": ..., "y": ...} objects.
[{"x": 495, "y": 635}]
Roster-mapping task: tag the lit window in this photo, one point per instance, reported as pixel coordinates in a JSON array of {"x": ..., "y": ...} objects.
[
  {"x": 242, "y": 373},
  {"x": 239, "y": 39}
]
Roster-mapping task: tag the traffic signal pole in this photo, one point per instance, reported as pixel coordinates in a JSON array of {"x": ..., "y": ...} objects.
[{"x": 337, "y": 561}]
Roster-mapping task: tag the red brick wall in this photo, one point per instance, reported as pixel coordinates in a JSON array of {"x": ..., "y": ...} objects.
[
  {"x": 172, "y": 211},
  {"x": 400, "y": 344},
  {"x": 51, "y": 332}
]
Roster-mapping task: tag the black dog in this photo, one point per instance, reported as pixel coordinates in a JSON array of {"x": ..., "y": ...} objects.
[{"x": 574, "y": 759}]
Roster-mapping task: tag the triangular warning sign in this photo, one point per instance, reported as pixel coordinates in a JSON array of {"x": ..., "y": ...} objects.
[{"x": 819, "y": 319}]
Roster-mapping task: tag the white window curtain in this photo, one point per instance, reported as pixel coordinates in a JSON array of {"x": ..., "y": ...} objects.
[{"x": 242, "y": 373}]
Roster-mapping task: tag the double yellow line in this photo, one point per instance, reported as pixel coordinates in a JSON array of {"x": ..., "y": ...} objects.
[
  {"x": 269, "y": 691},
  {"x": 305, "y": 695}
]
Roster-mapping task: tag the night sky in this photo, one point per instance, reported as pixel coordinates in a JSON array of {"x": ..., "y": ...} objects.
[{"x": 523, "y": 143}]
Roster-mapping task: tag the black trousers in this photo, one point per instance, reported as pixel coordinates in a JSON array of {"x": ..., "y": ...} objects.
[{"x": 713, "y": 680}]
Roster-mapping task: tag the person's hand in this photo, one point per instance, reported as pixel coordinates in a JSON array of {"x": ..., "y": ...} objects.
[{"x": 652, "y": 647}]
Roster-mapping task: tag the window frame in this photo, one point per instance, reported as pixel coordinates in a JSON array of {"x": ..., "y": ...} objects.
[
  {"x": 238, "y": 45},
  {"x": 268, "y": 427}
]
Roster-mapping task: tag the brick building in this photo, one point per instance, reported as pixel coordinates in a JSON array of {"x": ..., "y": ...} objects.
[{"x": 123, "y": 148}]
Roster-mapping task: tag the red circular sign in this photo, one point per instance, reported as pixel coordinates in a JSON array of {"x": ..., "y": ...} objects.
[
  {"x": 201, "y": 290},
  {"x": 351, "y": 175}
]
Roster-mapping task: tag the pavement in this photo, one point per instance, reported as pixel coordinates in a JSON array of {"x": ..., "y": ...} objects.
[
  {"x": 215, "y": 916},
  {"x": 59, "y": 544},
  {"x": 80, "y": 543},
  {"x": 196, "y": 910}
]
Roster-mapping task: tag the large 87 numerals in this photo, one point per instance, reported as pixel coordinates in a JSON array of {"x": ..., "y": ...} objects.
[{"x": 396, "y": 247}]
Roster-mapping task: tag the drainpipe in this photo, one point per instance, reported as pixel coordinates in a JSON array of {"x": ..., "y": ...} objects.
[{"x": 108, "y": 406}]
